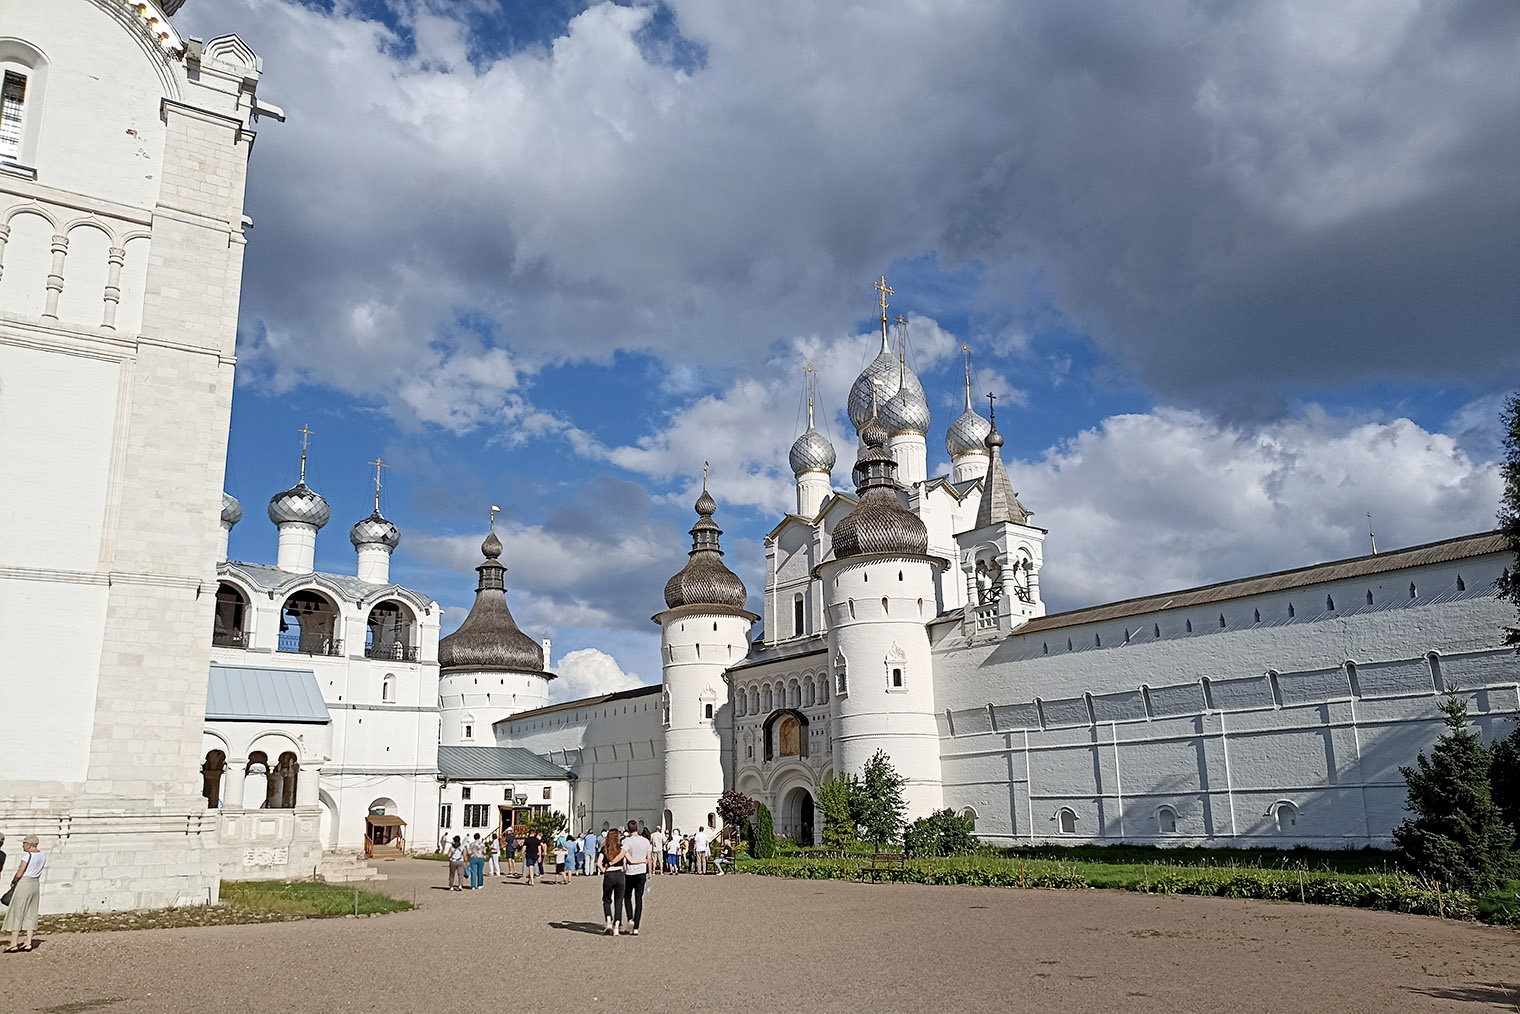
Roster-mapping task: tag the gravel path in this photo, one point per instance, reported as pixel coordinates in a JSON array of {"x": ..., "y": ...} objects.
[{"x": 765, "y": 944}]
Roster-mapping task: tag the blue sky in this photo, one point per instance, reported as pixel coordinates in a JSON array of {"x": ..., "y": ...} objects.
[{"x": 1238, "y": 276}]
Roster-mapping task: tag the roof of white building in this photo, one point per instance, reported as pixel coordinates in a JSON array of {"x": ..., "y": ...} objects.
[
  {"x": 245, "y": 693},
  {"x": 494, "y": 763},
  {"x": 584, "y": 702},
  {"x": 265, "y": 578}
]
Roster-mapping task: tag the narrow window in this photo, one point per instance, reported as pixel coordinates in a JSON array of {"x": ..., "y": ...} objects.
[
  {"x": 1158, "y": 629},
  {"x": 388, "y": 690},
  {"x": 1411, "y": 589},
  {"x": 852, "y": 609},
  {"x": 1291, "y": 614},
  {"x": 1067, "y": 821},
  {"x": 1126, "y": 635},
  {"x": 1097, "y": 640},
  {"x": 469, "y": 732},
  {"x": 12, "y": 101},
  {"x": 1166, "y": 820},
  {"x": 1329, "y": 604},
  {"x": 1208, "y": 693},
  {"x": 899, "y": 575},
  {"x": 1258, "y": 616},
  {"x": 797, "y": 615},
  {"x": 1068, "y": 644},
  {"x": 1275, "y": 687},
  {"x": 897, "y": 679},
  {"x": 1189, "y": 626},
  {"x": 1045, "y": 647},
  {"x": 1287, "y": 817},
  {"x": 883, "y": 607},
  {"x": 446, "y": 815},
  {"x": 1461, "y": 584},
  {"x": 1436, "y": 680},
  {"x": 1369, "y": 596},
  {"x": 1221, "y": 621},
  {"x": 920, "y": 608},
  {"x": 1351, "y": 680},
  {"x": 464, "y": 793}
]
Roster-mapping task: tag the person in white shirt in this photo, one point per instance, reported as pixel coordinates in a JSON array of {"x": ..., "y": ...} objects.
[
  {"x": 699, "y": 846},
  {"x": 673, "y": 852},
  {"x": 26, "y": 895},
  {"x": 638, "y": 850},
  {"x": 657, "y": 842}
]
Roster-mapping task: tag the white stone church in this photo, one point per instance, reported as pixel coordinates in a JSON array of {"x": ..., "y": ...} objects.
[{"x": 173, "y": 717}]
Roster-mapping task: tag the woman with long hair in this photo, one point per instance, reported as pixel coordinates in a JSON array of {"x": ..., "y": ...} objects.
[{"x": 612, "y": 863}]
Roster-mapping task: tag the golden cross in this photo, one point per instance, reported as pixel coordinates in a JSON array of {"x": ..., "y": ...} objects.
[
  {"x": 305, "y": 432},
  {"x": 378, "y": 465},
  {"x": 885, "y": 290}
]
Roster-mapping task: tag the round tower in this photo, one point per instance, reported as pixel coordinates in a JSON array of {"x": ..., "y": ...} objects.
[
  {"x": 299, "y": 512},
  {"x": 488, "y": 668},
  {"x": 703, "y": 631},
  {"x": 812, "y": 459},
  {"x": 375, "y": 539},
  {"x": 878, "y": 591},
  {"x": 232, "y": 513}
]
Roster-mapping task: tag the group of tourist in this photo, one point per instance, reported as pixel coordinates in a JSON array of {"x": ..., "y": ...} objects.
[
  {"x": 24, "y": 896},
  {"x": 690, "y": 853}
]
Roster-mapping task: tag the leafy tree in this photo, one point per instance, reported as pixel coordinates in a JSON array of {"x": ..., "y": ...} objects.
[
  {"x": 837, "y": 801},
  {"x": 880, "y": 807},
  {"x": 942, "y": 833},
  {"x": 1509, "y": 513},
  {"x": 548, "y": 824},
  {"x": 1457, "y": 835},
  {"x": 764, "y": 845},
  {"x": 736, "y": 809}
]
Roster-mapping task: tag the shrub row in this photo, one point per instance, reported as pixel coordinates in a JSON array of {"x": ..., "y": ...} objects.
[{"x": 921, "y": 872}]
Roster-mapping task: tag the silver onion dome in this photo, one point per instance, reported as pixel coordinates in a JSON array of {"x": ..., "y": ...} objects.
[
  {"x": 878, "y": 524},
  {"x": 906, "y": 412},
  {"x": 489, "y": 638},
  {"x": 232, "y": 511},
  {"x": 299, "y": 503},
  {"x": 812, "y": 452},
  {"x": 967, "y": 434},
  {"x": 705, "y": 580},
  {"x": 375, "y": 529},
  {"x": 889, "y": 375}
]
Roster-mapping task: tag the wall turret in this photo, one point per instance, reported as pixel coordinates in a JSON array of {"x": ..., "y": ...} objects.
[
  {"x": 232, "y": 513},
  {"x": 812, "y": 459},
  {"x": 1001, "y": 556}
]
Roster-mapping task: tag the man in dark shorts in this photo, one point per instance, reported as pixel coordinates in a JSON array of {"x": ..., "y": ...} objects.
[
  {"x": 533, "y": 854},
  {"x": 509, "y": 849}
]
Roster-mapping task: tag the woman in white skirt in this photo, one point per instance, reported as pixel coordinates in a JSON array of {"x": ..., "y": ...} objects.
[{"x": 26, "y": 896}]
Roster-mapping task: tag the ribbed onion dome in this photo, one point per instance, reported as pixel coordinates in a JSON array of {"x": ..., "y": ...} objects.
[
  {"x": 889, "y": 374},
  {"x": 906, "y": 411},
  {"x": 812, "y": 453},
  {"x": 878, "y": 524},
  {"x": 299, "y": 503},
  {"x": 489, "y": 638},
  {"x": 375, "y": 529},
  {"x": 232, "y": 511},
  {"x": 705, "y": 580},
  {"x": 967, "y": 434}
]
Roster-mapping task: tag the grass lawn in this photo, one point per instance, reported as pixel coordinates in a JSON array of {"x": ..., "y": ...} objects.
[{"x": 243, "y": 901}]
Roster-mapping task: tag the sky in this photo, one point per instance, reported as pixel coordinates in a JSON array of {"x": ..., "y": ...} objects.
[{"x": 1239, "y": 274}]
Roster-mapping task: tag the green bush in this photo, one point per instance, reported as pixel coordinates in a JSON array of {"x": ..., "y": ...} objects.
[
  {"x": 942, "y": 833},
  {"x": 764, "y": 845},
  {"x": 837, "y": 801}
]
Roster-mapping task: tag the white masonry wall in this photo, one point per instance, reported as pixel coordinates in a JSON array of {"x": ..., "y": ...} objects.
[{"x": 120, "y": 263}]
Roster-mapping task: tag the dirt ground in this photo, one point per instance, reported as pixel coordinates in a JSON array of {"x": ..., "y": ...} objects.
[{"x": 764, "y": 944}]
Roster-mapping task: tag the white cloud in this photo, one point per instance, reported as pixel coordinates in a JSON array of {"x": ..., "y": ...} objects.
[
  {"x": 589, "y": 673},
  {"x": 1170, "y": 499}
]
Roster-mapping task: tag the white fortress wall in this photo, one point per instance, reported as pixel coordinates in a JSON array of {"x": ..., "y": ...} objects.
[{"x": 1193, "y": 722}]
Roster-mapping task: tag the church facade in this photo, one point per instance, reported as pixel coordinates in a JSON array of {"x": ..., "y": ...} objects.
[{"x": 906, "y": 617}]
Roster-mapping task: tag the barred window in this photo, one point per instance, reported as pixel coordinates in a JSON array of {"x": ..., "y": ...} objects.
[
  {"x": 12, "y": 101},
  {"x": 477, "y": 815},
  {"x": 446, "y": 815}
]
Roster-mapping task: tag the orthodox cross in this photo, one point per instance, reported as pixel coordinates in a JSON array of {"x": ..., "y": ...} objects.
[
  {"x": 885, "y": 290},
  {"x": 992, "y": 407},
  {"x": 810, "y": 394},
  {"x": 1371, "y": 534},
  {"x": 306, "y": 432},
  {"x": 704, "y": 475},
  {"x": 966, "y": 355},
  {"x": 378, "y": 465},
  {"x": 494, "y": 511}
]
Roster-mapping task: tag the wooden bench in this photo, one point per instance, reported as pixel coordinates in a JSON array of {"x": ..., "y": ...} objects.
[{"x": 886, "y": 862}]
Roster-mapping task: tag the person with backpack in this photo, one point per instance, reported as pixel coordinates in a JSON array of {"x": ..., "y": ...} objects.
[{"x": 456, "y": 865}]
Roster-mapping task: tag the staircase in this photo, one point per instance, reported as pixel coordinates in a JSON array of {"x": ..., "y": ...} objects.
[{"x": 346, "y": 868}]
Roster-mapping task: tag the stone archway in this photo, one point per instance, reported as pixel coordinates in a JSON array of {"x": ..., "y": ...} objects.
[{"x": 799, "y": 816}]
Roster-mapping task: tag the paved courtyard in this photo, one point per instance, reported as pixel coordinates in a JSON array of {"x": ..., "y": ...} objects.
[{"x": 762, "y": 944}]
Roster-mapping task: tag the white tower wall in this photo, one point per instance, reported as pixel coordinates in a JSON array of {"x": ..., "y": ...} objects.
[
  {"x": 812, "y": 489},
  {"x": 478, "y": 699},
  {"x": 374, "y": 562},
  {"x": 911, "y": 453},
  {"x": 968, "y": 466},
  {"x": 298, "y": 548},
  {"x": 874, "y": 639},
  {"x": 698, "y": 646},
  {"x": 221, "y": 542}
]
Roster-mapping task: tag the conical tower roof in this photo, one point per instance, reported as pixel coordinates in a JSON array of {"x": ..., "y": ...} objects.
[
  {"x": 706, "y": 579},
  {"x": 489, "y": 638},
  {"x": 1000, "y": 504}
]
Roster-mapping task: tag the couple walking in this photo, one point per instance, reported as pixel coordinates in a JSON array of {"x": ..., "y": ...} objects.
[{"x": 624, "y": 865}]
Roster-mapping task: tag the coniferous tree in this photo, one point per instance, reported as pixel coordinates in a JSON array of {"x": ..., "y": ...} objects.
[
  {"x": 1509, "y": 513},
  {"x": 880, "y": 806},
  {"x": 764, "y": 845},
  {"x": 1457, "y": 834}
]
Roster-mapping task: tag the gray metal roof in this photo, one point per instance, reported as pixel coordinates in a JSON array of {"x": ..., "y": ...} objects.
[
  {"x": 494, "y": 763},
  {"x": 245, "y": 693},
  {"x": 265, "y": 578}
]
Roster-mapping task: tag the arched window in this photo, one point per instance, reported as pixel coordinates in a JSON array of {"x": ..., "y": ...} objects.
[
  {"x": 388, "y": 689},
  {"x": 754, "y": 700},
  {"x": 1351, "y": 680},
  {"x": 1066, "y": 820},
  {"x": 391, "y": 632},
  {"x": 1126, "y": 635},
  {"x": 1068, "y": 644},
  {"x": 309, "y": 624},
  {"x": 769, "y": 699},
  {"x": 23, "y": 77},
  {"x": 809, "y": 693},
  {"x": 469, "y": 725},
  {"x": 228, "y": 627},
  {"x": 707, "y": 711},
  {"x": 823, "y": 690},
  {"x": 211, "y": 778},
  {"x": 665, "y": 707},
  {"x": 1097, "y": 640},
  {"x": 256, "y": 781},
  {"x": 1208, "y": 693},
  {"x": 739, "y": 702},
  {"x": 1166, "y": 820},
  {"x": 897, "y": 668},
  {"x": 1286, "y": 815},
  {"x": 841, "y": 677},
  {"x": 884, "y": 608},
  {"x": 286, "y": 772},
  {"x": 1275, "y": 687},
  {"x": 897, "y": 678},
  {"x": 1436, "y": 680},
  {"x": 797, "y": 630},
  {"x": 969, "y": 816},
  {"x": 1044, "y": 647}
]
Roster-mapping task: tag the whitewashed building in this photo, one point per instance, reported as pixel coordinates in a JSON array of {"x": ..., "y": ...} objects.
[
  {"x": 123, "y": 152},
  {"x": 907, "y": 617}
]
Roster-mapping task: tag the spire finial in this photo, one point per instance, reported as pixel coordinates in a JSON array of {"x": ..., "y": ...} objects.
[
  {"x": 495, "y": 510},
  {"x": 810, "y": 394},
  {"x": 704, "y": 477},
  {"x": 378, "y": 465},
  {"x": 885, "y": 290},
  {"x": 306, "y": 432},
  {"x": 992, "y": 409},
  {"x": 1371, "y": 534},
  {"x": 966, "y": 354}
]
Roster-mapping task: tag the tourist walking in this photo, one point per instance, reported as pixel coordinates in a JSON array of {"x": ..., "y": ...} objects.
[
  {"x": 509, "y": 845},
  {"x": 456, "y": 865},
  {"x": 588, "y": 852},
  {"x": 612, "y": 862},
  {"x": 638, "y": 850},
  {"x": 572, "y": 856},
  {"x": 561, "y": 862},
  {"x": 699, "y": 849},
  {"x": 25, "y": 895},
  {"x": 533, "y": 853},
  {"x": 673, "y": 852},
  {"x": 657, "y": 843},
  {"x": 477, "y": 863},
  {"x": 493, "y": 855}
]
